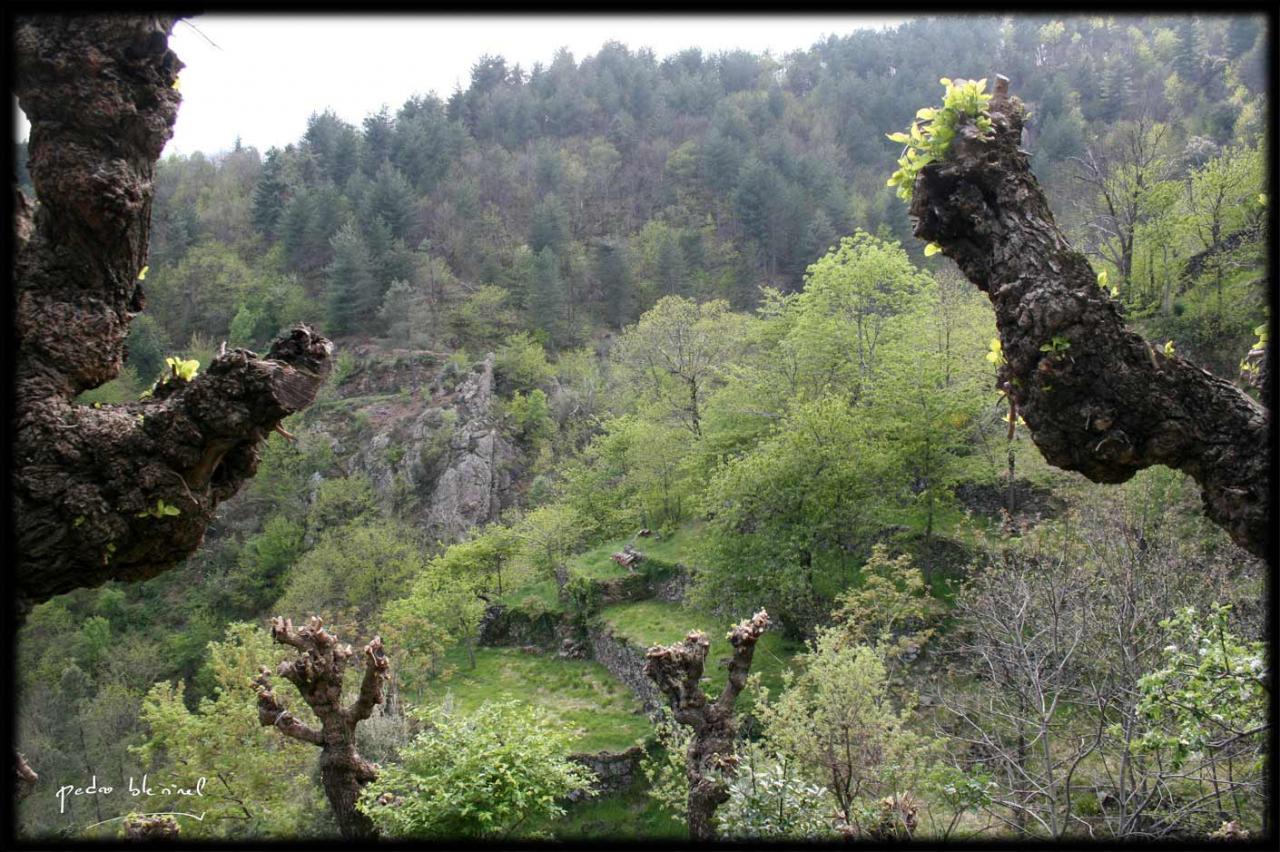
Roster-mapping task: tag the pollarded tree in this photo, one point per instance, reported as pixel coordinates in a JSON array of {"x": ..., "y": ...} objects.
[
  {"x": 677, "y": 670},
  {"x": 99, "y": 92},
  {"x": 318, "y": 672},
  {"x": 1096, "y": 397}
]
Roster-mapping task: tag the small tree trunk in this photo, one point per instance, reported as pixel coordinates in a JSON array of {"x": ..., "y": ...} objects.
[
  {"x": 317, "y": 672},
  {"x": 677, "y": 670}
]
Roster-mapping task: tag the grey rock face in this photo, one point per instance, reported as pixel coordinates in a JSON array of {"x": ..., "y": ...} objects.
[{"x": 436, "y": 447}]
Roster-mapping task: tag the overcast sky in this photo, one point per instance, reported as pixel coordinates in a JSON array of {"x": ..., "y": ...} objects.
[{"x": 267, "y": 74}]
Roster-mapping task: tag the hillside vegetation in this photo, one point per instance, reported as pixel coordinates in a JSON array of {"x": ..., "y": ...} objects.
[{"x": 672, "y": 304}]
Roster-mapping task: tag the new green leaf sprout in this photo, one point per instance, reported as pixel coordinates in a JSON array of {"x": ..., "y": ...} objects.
[{"x": 930, "y": 134}]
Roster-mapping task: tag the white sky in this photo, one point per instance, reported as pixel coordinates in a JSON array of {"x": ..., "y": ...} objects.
[{"x": 269, "y": 73}]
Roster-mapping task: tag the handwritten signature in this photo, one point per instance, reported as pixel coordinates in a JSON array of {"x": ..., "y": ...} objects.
[{"x": 136, "y": 789}]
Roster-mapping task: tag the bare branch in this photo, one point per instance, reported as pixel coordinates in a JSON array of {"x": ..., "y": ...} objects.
[
  {"x": 375, "y": 676},
  {"x": 1111, "y": 404}
]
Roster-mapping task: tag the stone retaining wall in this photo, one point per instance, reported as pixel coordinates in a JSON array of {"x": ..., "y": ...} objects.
[
  {"x": 615, "y": 770},
  {"x": 624, "y": 661},
  {"x": 501, "y": 625}
]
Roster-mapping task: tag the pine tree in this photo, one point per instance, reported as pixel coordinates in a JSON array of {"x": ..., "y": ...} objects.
[
  {"x": 392, "y": 198},
  {"x": 547, "y": 298},
  {"x": 612, "y": 272},
  {"x": 673, "y": 272},
  {"x": 379, "y": 131},
  {"x": 351, "y": 288},
  {"x": 550, "y": 226},
  {"x": 269, "y": 196}
]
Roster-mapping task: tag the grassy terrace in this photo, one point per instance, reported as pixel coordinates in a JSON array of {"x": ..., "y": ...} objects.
[
  {"x": 647, "y": 623},
  {"x": 595, "y": 564},
  {"x": 545, "y": 591},
  {"x": 579, "y": 695}
]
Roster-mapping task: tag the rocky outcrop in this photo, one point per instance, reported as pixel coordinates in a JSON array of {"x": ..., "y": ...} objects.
[{"x": 426, "y": 434}]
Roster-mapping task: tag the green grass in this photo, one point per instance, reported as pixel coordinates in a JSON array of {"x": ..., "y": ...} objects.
[
  {"x": 628, "y": 815},
  {"x": 595, "y": 564},
  {"x": 579, "y": 695},
  {"x": 545, "y": 591},
  {"x": 652, "y": 622}
]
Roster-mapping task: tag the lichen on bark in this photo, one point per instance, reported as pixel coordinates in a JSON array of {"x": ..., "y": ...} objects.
[
  {"x": 1095, "y": 396},
  {"x": 88, "y": 481}
]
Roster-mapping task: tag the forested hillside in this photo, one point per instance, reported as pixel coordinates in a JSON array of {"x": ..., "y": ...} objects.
[{"x": 673, "y": 305}]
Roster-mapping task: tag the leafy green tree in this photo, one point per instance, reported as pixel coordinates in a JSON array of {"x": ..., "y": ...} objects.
[
  {"x": 484, "y": 318},
  {"x": 202, "y": 293},
  {"x": 770, "y": 801},
  {"x": 547, "y": 536},
  {"x": 445, "y": 602},
  {"x": 837, "y": 722},
  {"x": 264, "y": 562},
  {"x": 357, "y": 567},
  {"x": 521, "y": 363},
  {"x": 532, "y": 416},
  {"x": 931, "y": 394},
  {"x": 482, "y": 776},
  {"x": 785, "y": 517},
  {"x": 341, "y": 500},
  {"x": 257, "y": 783},
  {"x": 1210, "y": 691},
  {"x": 675, "y": 352},
  {"x": 850, "y": 297},
  {"x": 891, "y": 609},
  {"x": 441, "y": 610},
  {"x": 1133, "y": 161}
]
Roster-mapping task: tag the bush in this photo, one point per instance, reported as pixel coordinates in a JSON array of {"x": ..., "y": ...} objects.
[{"x": 483, "y": 775}]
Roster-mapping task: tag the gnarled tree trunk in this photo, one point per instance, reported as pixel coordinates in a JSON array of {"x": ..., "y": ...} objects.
[
  {"x": 317, "y": 673},
  {"x": 676, "y": 669},
  {"x": 1096, "y": 397},
  {"x": 88, "y": 482}
]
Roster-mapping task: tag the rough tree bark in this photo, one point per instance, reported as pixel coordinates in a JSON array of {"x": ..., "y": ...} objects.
[
  {"x": 676, "y": 669},
  {"x": 317, "y": 673},
  {"x": 1096, "y": 397},
  {"x": 88, "y": 481},
  {"x": 26, "y": 778}
]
